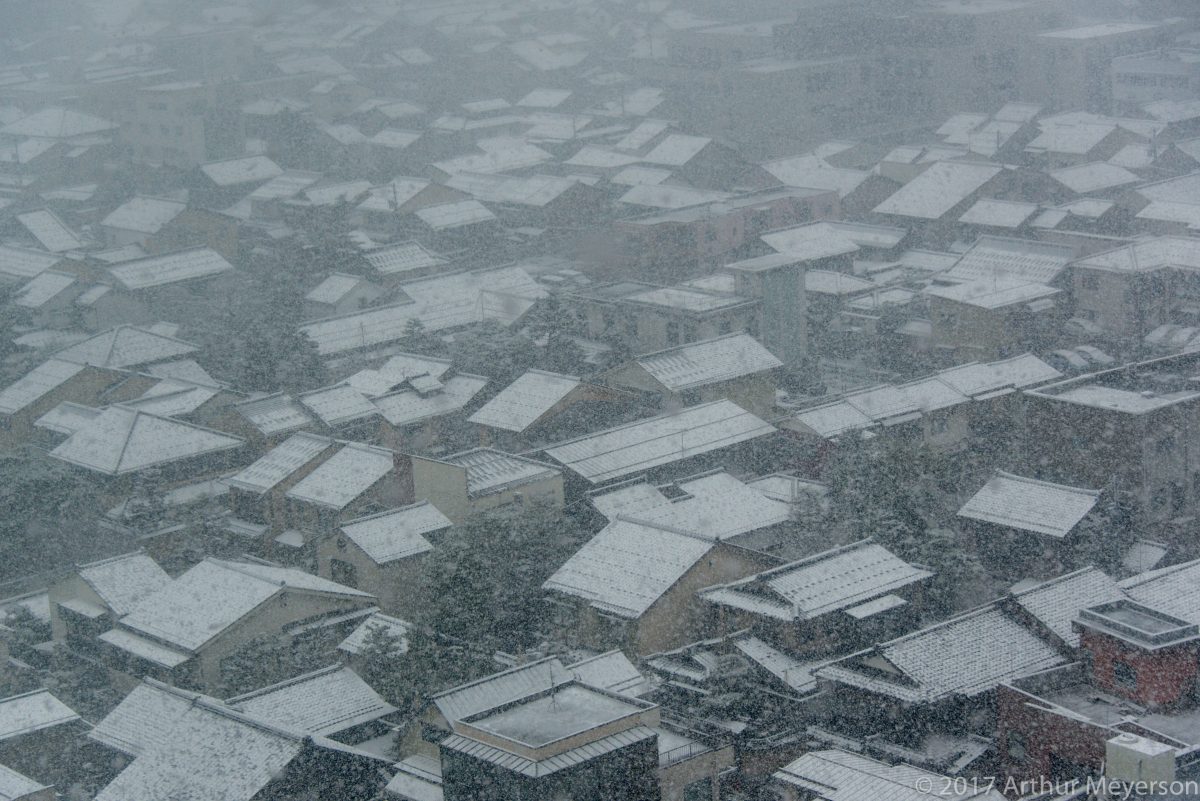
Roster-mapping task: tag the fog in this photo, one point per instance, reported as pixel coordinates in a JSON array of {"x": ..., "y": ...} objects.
[{"x": 583, "y": 400}]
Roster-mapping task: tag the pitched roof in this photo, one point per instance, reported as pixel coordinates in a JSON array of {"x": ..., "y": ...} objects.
[
  {"x": 246, "y": 170},
  {"x": 338, "y": 404},
  {"x": 812, "y": 241},
  {"x": 280, "y": 462},
  {"x": 51, "y": 232},
  {"x": 36, "y": 384},
  {"x": 709, "y": 361},
  {"x": 414, "y": 405},
  {"x": 274, "y": 414},
  {"x": 993, "y": 294},
  {"x": 646, "y": 444},
  {"x": 344, "y": 476},
  {"x": 397, "y": 533},
  {"x": 335, "y": 287},
  {"x": 1083, "y": 178},
  {"x": 966, "y": 655},
  {"x": 24, "y": 263},
  {"x": 123, "y": 440},
  {"x": 213, "y": 595},
  {"x": 832, "y": 581},
  {"x": 210, "y": 752},
  {"x": 498, "y": 689},
  {"x": 523, "y": 402},
  {"x": 123, "y": 581},
  {"x": 938, "y": 189},
  {"x": 1171, "y": 590},
  {"x": 323, "y": 702},
  {"x": 1028, "y": 504},
  {"x": 32, "y": 711},
  {"x": 144, "y": 215},
  {"x": 812, "y": 172},
  {"x": 16, "y": 786},
  {"x": 57, "y": 123},
  {"x": 1057, "y": 601},
  {"x": 1004, "y": 258},
  {"x": 628, "y": 566},
  {"x": 490, "y": 471},
  {"x": 402, "y": 257},
  {"x": 714, "y": 506},
  {"x": 358, "y": 639},
  {"x": 836, "y": 775},
  {"x": 170, "y": 268},
  {"x": 143, "y": 718},
  {"x": 125, "y": 346},
  {"x": 610, "y": 671}
]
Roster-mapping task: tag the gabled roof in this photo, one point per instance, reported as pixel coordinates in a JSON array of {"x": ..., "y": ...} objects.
[
  {"x": 397, "y": 533},
  {"x": 32, "y": 711},
  {"x": 1171, "y": 590},
  {"x": 709, "y": 361},
  {"x": 144, "y": 215},
  {"x": 836, "y": 775},
  {"x": 170, "y": 268},
  {"x": 358, "y": 639},
  {"x": 338, "y": 405},
  {"x": 124, "y": 581},
  {"x": 280, "y": 462},
  {"x": 714, "y": 506},
  {"x": 246, "y": 170},
  {"x": 410, "y": 406},
  {"x": 1084, "y": 178},
  {"x": 344, "y": 476},
  {"x": 37, "y": 383},
  {"x": 323, "y": 702},
  {"x": 676, "y": 150},
  {"x": 24, "y": 263},
  {"x": 812, "y": 172},
  {"x": 646, "y": 444},
  {"x": 525, "y": 401},
  {"x": 993, "y": 294},
  {"x": 274, "y": 414},
  {"x": 610, "y": 671},
  {"x": 209, "y": 751},
  {"x": 16, "y": 786},
  {"x": 1028, "y": 504},
  {"x": 124, "y": 440},
  {"x": 143, "y": 718},
  {"x": 402, "y": 257},
  {"x": 57, "y": 123},
  {"x": 335, "y": 287},
  {"x": 967, "y": 655},
  {"x": 498, "y": 689},
  {"x": 125, "y": 346},
  {"x": 51, "y": 232},
  {"x": 490, "y": 471},
  {"x": 810, "y": 242},
  {"x": 938, "y": 189},
  {"x": 205, "y": 601},
  {"x": 628, "y": 566},
  {"x": 1057, "y": 601},
  {"x": 835, "y": 580}
]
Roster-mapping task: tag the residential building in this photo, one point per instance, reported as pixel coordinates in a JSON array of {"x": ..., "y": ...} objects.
[
  {"x": 479, "y": 481},
  {"x": 540, "y": 407}
]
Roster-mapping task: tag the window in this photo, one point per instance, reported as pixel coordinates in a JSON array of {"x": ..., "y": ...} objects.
[
  {"x": 343, "y": 572},
  {"x": 1124, "y": 674},
  {"x": 1016, "y": 746}
]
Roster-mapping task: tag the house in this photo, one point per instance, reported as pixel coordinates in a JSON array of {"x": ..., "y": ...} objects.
[
  {"x": 734, "y": 367},
  {"x": 340, "y": 293},
  {"x": 633, "y": 584},
  {"x": 223, "y": 182},
  {"x": 837, "y": 775},
  {"x": 17, "y": 787},
  {"x": 403, "y": 261},
  {"x": 353, "y": 648},
  {"x": 187, "y": 631},
  {"x": 356, "y": 479},
  {"x": 121, "y": 441},
  {"x": 991, "y": 319},
  {"x": 256, "y": 492},
  {"x": 823, "y": 603},
  {"x": 539, "y": 405},
  {"x": 384, "y": 554},
  {"x": 169, "y": 281},
  {"x": 48, "y": 230},
  {"x": 93, "y": 597},
  {"x": 48, "y": 299},
  {"x": 481, "y": 480},
  {"x": 332, "y": 702},
  {"x": 944, "y": 190},
  {"x": 136, "y": 220},
  {"x": 673, "y": 443},
  {"x": 228, "y": 753},
  {"x": 1125, "y": 698},
  {"x": 21, "y": 264},
  {"x": 1138, "y": 416},
  {"x": 1024, "y": 526}
]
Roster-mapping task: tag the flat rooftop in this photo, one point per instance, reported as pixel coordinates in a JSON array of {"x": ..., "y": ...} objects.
[
  {"x": 572, "y": 709},
  {"x": 1139, "y": 625}
]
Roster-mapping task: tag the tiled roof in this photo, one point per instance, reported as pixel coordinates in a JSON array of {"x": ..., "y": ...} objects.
[
  {"x": 1171, "y": 590},
  {"x": 836, "y": 775},
  {"x": 938, "y": 189},
  {"x": 646, "y": 444},
  {"x": 498, "y": 689},
  {"x": 32, "y": 711},
  {"x": 123, "y": 581},
  {"x": 1056, "y": 602},
  {"x": 323, "y": 702},
  {"x": 125, "y": 346},
  {"x": 708, "y": 362},
  {"x": 280, "y": 462},
  {"x": 396, "y": 534},
  {"x": 143, "y": 718},
  {"x": 1028, "y": 504},
  {"x": 490, "y": 470},
  {"x": 523, "y": 402},
  {"x": 170, "y": 268},
  {"x": 36, "y": 384},
  {"x": 350, "y": 472}
]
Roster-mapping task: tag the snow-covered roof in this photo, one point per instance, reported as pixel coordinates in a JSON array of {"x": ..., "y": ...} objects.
[
  {"x": 628, "y": 566},
  {"x": 527, "y": 190},
  {"x": 32, "y": 711},
  {"x": 1057, "y": 601},
  {"x": 280, "y": 462},
  {"x": 455, "y": 214},
  {"x": 993, "y": 294},
  {"x": 247, "y": 170},
  {"x": 498, "y": 689},
  {"x": 57, "y": 123},
  {"x": 397, "y": 533},
  {"x": 123, "y": 440},
  {"x": 967, "y": 655},
  {"x": 835, "y": 775},
  {"x": 810, "y": 242},
  {"x": 402, "y": 257},
  {"x": 21, "y": 264},
  {"x": 344, "y": 476},
  {"x": 812, "y": 172},
  {"x": 170, "y": 268},
  {"x": 213, "y": 595},
  {"x": 51, "y": 232},
  {"x": 1084, "y": 178},
  {"x": 490, "y": 471},
  {"x": 358, "y": 639},
  {"x": 124, "y": 581},
  {"x": 323, "y": 702},
  {"x": 646, "y": 444},
  {"x": 274, "y": 414},
  {"x": 1171, "y": 590},
  {"x": 708, "y": 362},
  {"x": 1028, "y": 504},
  {"x": 410, "y": 406},
  {"x": 832, "y": 581},
  {"x": 16, "y": 786},
  {"x": 523, "y": 402},
  {"x": 173, "y": 398},
  {"x": 144, "y": 215},
  {"x": 143, "y": 718},
  {"x": 125, "y": 346},
  {"x": 999, "y": 213},
  {"x": 610, "y": 671},
  {"x": 676, "y": 150},
  {"x": 937, "y": 190},
  {"x": 36, "y": 384},
  {"x": 671, "y": 196},
  {"x": 338, "y": 405},
  {"x": 1009, "y": 259}
]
